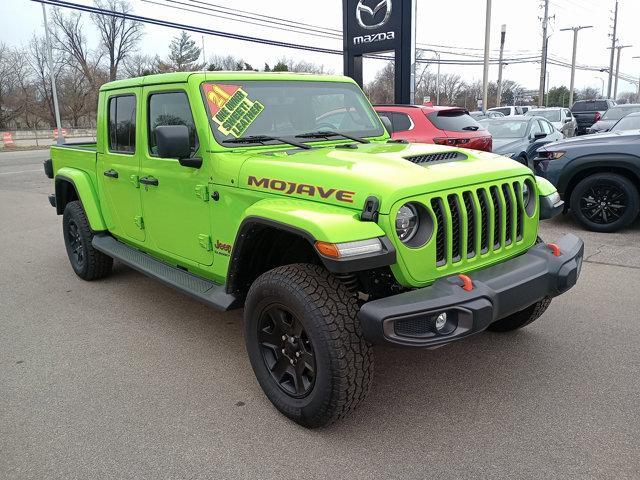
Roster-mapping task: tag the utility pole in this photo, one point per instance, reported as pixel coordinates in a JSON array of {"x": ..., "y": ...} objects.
[
  {"x": 615, "y": 88},
  {"x": 503, "y": 32},
  {"x": 485, "y": 73},
  {"x": 573, "y": 58},
  {"x": 54, "y": 91},
  {"x": 543, "y": 58},
  {"x": 614, "y": 39},
  {"x": 638, "y": 99}
]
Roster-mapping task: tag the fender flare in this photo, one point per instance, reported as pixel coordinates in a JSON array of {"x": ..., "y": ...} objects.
[
  {"x": 311, "y": 221},
  {"x": 87, "y": 195}
]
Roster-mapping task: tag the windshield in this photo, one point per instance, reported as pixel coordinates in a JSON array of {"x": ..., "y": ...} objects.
[
  {"x": 628, "y": 123},
  {"x": 551, "y": 115},
  {"x": 590, "y": 106},
  {"x": 505, "y": 111},
  {"x": 616, "y": 113},
  {"x": 454, "y": 121},
  {"x": 510, "y": 129},
  {"x": 287, "y": 108}
]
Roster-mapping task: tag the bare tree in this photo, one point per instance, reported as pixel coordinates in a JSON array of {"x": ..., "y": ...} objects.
[
  {"x": 627, "y": 97},
  {"x": 70, "y": 39},
  {"x": 140, "y": 65},
  {"x": 9, "y": 82},
  {"x": 119, "y": 36},
  {"x": 36, "y": 58}
]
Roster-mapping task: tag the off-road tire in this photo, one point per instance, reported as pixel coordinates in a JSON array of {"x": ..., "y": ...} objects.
[
  {"x": 92, "y": 264},
  {"x": 522, "y": 318},
  {"x": 327, "y": 312},
  {"x": 602, "y": 180}
]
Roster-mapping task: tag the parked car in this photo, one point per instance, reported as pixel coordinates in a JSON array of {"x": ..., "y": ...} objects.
[
  {"x": 611, "y": 116},
  {"x": 525, "y": 108},
  {"x": 561, "y": 119},
  {"x": 232, "y": 188},
  {"x": 519, "y": 137},
  {"x": 588, "y": 112},
  {"x": 628, "y": 122},
  {"x": 440, "y": 125},
  {"x": 479, "y": 115},
  {"x": 597, "y": 175},
  {"x": 508, "y": 110}
]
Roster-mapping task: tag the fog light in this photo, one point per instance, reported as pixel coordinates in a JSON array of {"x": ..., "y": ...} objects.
[{"x": 441, "y": 322}]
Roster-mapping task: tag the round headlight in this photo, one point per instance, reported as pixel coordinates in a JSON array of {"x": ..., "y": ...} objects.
[{"x": 407, "y": 222}]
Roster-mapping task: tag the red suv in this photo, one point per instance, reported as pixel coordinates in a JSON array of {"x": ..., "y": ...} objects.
[{"x": 442, "y": 125}]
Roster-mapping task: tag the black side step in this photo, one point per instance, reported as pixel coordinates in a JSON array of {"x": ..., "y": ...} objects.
[{"x": 200, "y": 288}]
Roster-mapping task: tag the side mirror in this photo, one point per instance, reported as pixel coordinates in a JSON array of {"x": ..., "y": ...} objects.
[
  {"x": 538, "y": 136},
  {"x": 387, "y": 124},
  {"x": 173, "y": 142},
  {"x": 567, "y": 120}
]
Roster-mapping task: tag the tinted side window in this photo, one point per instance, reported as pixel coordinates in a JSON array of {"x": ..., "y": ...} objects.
[
  {"x": 401, "y": 122},
  {"x": 454, "y": 121},
  {"x": 122, "y": 124},
  {"x": 170, "y": 108},
  {"x": 535, "y": 128},
  {"x": 546, "y": 127}
]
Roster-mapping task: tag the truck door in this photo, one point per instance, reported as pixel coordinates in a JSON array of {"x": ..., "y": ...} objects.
[
  {"x": 175, "y": 199},
  {"x": 118, "y": 164}
]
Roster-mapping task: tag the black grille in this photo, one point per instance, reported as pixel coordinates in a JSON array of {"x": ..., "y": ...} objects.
[
  {"x": 456, "y": 223},
  {"x": 519, "y": 210},
  {"x": 436, "y": 157},
  {"x": 413, "y": 327},
  {"x": 484, "y": 228},
  {"x": 471, "y": 224},
  {"x": 497, "y": 224},
  {"x": 441, "y": 235},
  {"x": 508, "y": 213}
]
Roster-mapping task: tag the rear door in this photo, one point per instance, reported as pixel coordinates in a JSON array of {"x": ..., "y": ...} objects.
[
  {"x": 175, "y": 198},
  {"x": 118, "y": 164}
]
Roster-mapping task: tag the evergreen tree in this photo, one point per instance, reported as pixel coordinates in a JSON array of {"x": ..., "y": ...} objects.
[{"x": 184, "y": 53}]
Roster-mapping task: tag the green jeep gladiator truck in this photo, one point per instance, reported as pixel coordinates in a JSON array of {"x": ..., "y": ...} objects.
[{"x": 283, "y": 194}]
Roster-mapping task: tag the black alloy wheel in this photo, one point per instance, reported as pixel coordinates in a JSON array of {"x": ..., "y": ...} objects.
[
  {"x": 605, "y": 202},
  {"x": 76, "y": 250},
  {"x": 286, "y": 350}
]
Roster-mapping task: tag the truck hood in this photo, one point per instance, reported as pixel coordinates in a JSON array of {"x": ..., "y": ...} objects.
[
  {"x": 348, "y": 176},
  {"x": 608, "y": 140}
]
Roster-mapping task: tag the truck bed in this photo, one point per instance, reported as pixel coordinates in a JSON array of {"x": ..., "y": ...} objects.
[{"x": 80, "y": 156}]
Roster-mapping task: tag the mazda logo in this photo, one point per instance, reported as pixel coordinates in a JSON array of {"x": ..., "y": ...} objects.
[{"x": 365, "y": 15}]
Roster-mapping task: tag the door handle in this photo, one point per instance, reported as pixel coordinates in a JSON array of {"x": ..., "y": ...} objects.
[
  {"x": 149, "y": 181},
  {"x": 111, "y": 173}
]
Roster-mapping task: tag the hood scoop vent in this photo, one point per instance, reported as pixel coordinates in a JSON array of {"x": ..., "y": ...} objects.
[{"x": 439, "y": 157}]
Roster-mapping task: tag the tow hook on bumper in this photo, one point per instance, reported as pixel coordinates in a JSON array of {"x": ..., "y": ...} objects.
[{"x": 412, "y": 318}]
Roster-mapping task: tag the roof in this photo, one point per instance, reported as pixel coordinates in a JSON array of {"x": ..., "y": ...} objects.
[
  {"x": 426, "y": 108},
  {"x": 183, "y": 77}
]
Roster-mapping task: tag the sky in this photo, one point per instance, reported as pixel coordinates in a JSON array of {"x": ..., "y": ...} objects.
[{"x": 446, "y": 25}]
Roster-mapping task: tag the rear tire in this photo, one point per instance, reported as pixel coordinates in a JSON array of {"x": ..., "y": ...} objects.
[
  {"x": 605, "y": 202},
  {"x": 305, "y": 344},
  {"x": 87, "y": 262},
  {"x": 522, "y": 318}
]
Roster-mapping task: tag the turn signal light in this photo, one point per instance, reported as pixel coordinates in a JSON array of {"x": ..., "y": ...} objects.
[{"x": 349, "y": 249}]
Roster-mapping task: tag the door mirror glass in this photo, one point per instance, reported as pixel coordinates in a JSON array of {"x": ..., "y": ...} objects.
[{"x": 173, "y": 141}]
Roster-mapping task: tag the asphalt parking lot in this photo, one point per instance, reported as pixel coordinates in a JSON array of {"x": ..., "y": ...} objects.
[{"x": 126, "y": 378}]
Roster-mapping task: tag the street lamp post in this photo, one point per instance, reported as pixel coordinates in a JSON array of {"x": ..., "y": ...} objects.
[
  {"x": 485, "y": 73},
  {"x": 437, "y": 54},
  {"x": 602, "y": 87},
  {"x": 54, "y": 91},
  {"x": 638, "y": 97},
  {"x": 573, "y": 59}
]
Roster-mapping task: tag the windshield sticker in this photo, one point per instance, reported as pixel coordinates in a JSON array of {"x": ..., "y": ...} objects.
[{"x": 231, "y": 108}]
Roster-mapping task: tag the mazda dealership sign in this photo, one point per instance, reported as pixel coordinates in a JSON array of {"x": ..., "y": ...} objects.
[{"x": 374, "y": 26}]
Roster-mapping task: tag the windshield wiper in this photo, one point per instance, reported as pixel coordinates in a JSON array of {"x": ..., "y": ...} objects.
[
  {"x": 266, "y": 138},
  {"x": 473, "y": 128},
  {"x": 329, "y": 133}
]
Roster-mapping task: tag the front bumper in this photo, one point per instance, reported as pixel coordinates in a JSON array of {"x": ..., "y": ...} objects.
[{"x": 498, "y": 291}]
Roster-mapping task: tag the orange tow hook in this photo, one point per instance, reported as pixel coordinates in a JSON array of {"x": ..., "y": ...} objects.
[
  {"x": 467, "y": 284},
  {"x": 554, "y": 248}
]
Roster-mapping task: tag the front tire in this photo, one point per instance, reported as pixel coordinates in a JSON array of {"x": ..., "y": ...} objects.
[
  {"x": 522, "y": 318},
  {"x": 305, "y": 344},
  {"x": 87, "y": 262},
  {"x": 605, "y": 202}
]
